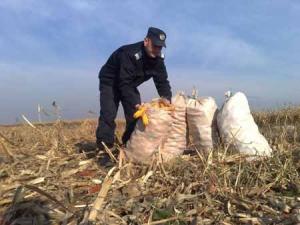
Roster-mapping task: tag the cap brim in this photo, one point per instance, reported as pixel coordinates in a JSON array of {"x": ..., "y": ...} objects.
[{"x": 158, "y": 42}]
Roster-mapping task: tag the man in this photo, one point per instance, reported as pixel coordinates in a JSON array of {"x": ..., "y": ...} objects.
[{"x": 127, "y": 68}]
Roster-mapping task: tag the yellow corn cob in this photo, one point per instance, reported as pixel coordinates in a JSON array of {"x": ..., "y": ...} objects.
[
  {"x": 169, "y": 108},
  {"x": 139, "y": 113},
  {"x": 145, "y": 119},
  {"x": 157, "y": 104}
]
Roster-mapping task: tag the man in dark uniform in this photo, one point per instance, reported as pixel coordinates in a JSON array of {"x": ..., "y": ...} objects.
[{"x": 127, "y": 68}]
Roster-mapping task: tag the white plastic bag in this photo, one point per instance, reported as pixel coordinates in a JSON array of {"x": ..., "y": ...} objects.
[
  {"x": 202, "y": 126},
  {"x": 237, "y": 127},
  {"x": 176, "y": 140}
]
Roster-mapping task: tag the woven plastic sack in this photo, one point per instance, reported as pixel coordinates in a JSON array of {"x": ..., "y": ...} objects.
[
  {"x": 176, "y": 140},
  {"x": 146, "y": 140},
  {"x": 238, "y": 128},
  {"x": 202, "y": 126}
]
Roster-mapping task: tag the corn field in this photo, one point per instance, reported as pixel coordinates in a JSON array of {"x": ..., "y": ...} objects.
[{"x": 50, "y": 174}]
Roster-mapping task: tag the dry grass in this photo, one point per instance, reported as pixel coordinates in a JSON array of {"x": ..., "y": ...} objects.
[{"x": 48, "y": 176}]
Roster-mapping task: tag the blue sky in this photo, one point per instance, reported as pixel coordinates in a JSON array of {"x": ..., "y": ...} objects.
[{"x": 53, "y": 50}]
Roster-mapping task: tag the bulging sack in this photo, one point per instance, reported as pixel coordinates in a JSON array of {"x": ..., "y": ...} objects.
[
  {"x": 237, "y": 126},
  {"x": 176, "y": 140},
  {"x": 146, "y": 139},
  {"x": 202, "y": 126}
]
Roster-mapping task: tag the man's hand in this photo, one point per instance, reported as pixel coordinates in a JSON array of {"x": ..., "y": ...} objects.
[
  {"x": 165, "y": 101},
  {"x": 138, "y": 106}
]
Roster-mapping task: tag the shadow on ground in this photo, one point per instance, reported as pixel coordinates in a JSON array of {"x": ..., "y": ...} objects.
[
  {"x": 89, "y": 148},
  {"x": 34, "y": 211}
]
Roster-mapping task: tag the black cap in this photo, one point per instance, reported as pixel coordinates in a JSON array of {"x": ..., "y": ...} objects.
[{"x": 157, "y": 36}]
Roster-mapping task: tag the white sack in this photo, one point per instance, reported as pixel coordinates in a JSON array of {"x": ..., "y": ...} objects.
[
  {"x": 201, "y": 118},
  {"x": 145, "y": 140},
  {"x": 176, "y": 140},
  {"x": 237, "y": 126}
]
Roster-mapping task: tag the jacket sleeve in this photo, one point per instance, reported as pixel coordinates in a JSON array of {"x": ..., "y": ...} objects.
[
  {"x": 162, "y": 83},
  {"x": 126, "y": 77}
]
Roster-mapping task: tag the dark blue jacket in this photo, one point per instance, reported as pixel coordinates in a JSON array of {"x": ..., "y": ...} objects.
[{"x": 129, "y": 66}]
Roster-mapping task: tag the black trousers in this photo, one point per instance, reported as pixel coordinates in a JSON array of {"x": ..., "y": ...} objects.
[{"x": 110, "y": 98}]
